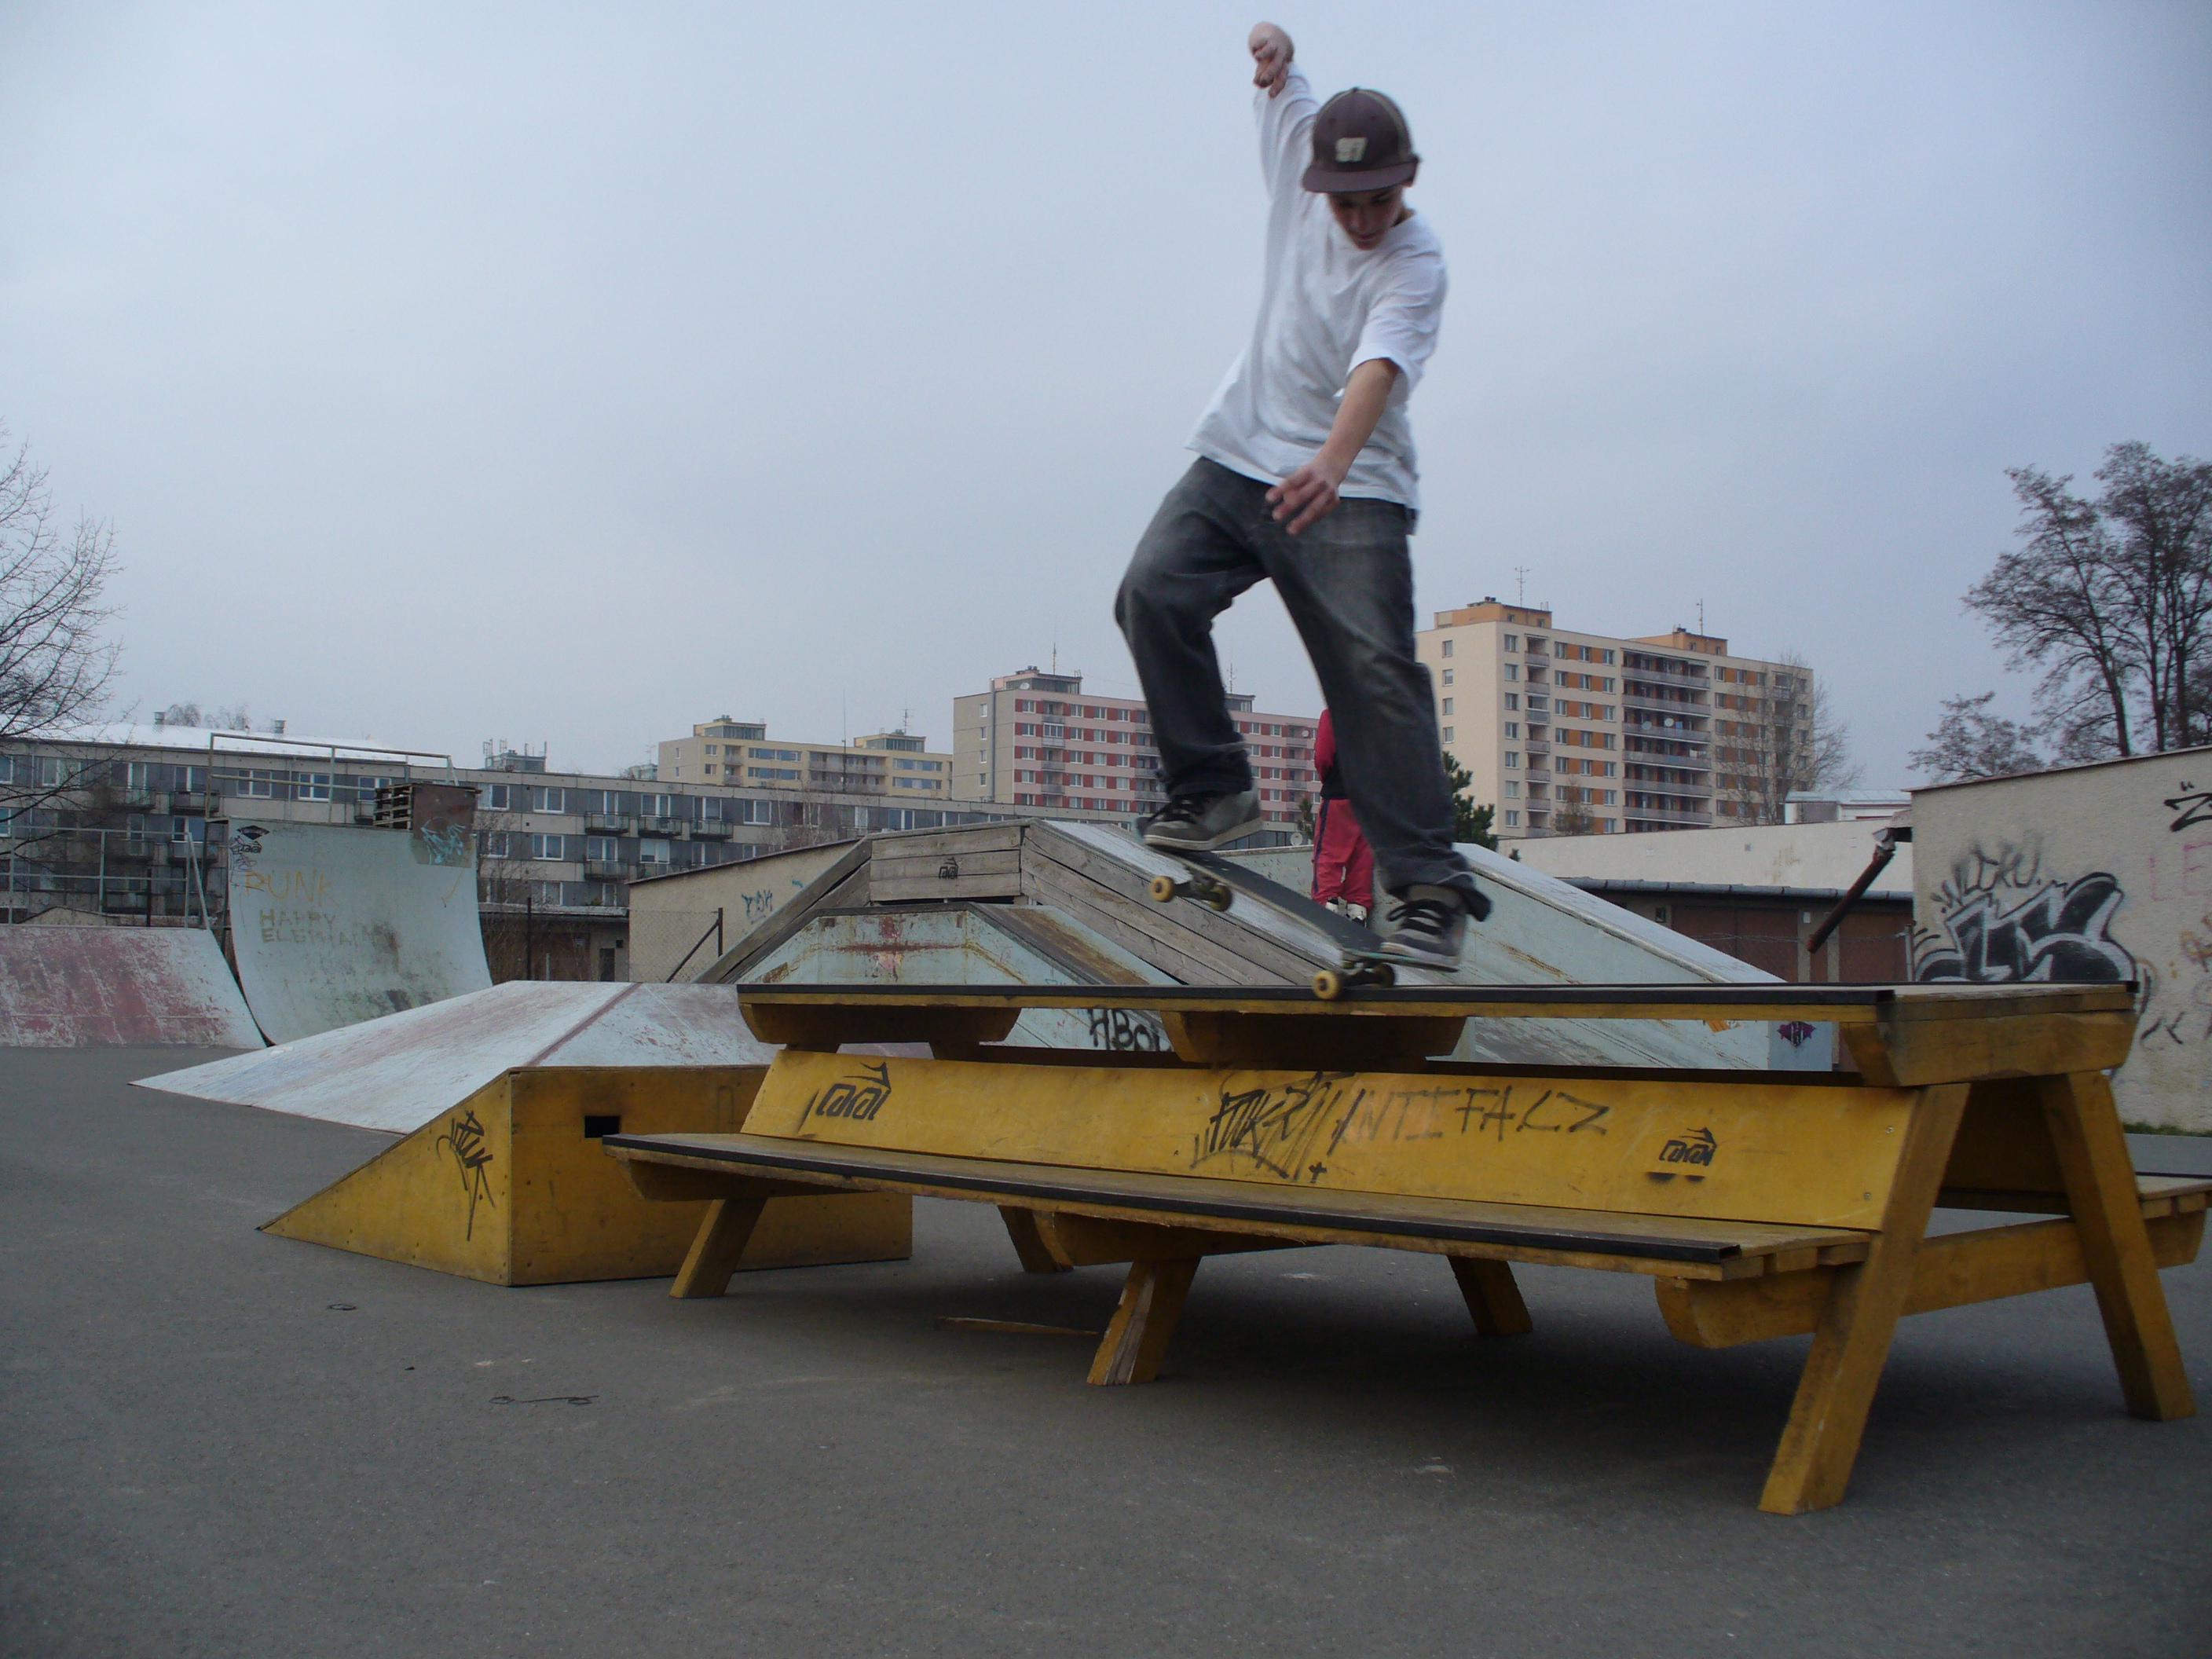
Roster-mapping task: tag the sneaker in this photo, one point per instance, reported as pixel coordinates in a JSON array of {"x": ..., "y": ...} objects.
[
  {"x": 1428, "y": 926},
  {"x": 1199, "y": 824}
]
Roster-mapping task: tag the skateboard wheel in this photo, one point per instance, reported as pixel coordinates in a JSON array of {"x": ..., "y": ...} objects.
[
  {"x": 1214, "y": 897},
  {"x": 1329, "y": 984},
  {"x": 1162, "y": 889}
]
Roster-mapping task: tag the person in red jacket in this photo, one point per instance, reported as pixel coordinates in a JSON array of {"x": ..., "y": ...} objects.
[{"x": 1343, "y": 863}]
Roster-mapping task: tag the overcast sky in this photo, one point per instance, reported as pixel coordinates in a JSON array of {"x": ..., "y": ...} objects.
[{"x": 570, "y": 374}]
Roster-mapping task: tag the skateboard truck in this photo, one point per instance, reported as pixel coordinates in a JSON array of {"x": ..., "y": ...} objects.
[{"x": 1210, "y": 890}]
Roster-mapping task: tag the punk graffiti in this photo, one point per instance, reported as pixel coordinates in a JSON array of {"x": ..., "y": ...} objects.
[
  {"x": 467, "y": 1143},
  {"x": 2002, "y": 920},
  {"x": 860, "y": 1097}
]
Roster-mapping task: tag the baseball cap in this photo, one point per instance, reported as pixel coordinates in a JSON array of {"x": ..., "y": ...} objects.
[{"x": 1360, "y": 142}]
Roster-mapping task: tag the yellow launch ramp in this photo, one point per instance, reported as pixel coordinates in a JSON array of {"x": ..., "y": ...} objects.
[{"x": 511, "y": 1186}]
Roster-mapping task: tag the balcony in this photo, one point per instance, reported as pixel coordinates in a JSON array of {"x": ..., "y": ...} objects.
[
  {"x": 608, "y": 870},
  {"x": 610, "y": 823},
  {"x": 1666, "y": 704},
  {"x": 1537, "y": 746},
  {"x": 1668, "y": 816},
  {"x": 663, "y": 827},
  {"x": 710, "y": 829}
]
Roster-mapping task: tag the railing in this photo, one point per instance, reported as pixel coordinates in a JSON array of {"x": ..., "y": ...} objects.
[
  {"x": 1663, "y": 815},
  {"x": 711, "y": 830},
  {"x": 610, "y": 823},
  {"x": 609, "y": 869}
]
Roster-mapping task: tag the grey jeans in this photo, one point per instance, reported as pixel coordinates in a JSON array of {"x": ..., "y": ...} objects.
[{"x": 1348, "y": 584}]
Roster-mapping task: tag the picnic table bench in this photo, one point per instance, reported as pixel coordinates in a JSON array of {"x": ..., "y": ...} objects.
[{"x": 1762, "y": 1204}]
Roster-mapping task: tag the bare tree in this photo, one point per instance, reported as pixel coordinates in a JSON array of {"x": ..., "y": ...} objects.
[
  {"x": 1970, "y": 742},
  {"x": 55, "y": 669},
  {"x": 2110, "y": 602},
  {"x": 1785, "y": 739},
  {"x": 1572, "y": 817}
]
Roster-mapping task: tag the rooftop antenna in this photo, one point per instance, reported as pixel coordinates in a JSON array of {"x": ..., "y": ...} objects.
[
  {"x": 1701, "y": 616},
  {"x": 1520, "y": 584}
]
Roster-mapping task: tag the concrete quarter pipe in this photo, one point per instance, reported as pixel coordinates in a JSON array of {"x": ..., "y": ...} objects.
[{"x": 330, "y": 927}]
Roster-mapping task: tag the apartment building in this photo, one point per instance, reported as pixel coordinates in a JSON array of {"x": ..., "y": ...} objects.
[
  {"x": 114, "y": 821},
  {"x": 735, "y": 753},
  {"x": 1037, "y": 739},
  {"x": 1572, "y": 732}
]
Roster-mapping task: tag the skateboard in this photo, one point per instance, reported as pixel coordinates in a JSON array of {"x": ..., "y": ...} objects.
[{"x": 1215, "y": 882}]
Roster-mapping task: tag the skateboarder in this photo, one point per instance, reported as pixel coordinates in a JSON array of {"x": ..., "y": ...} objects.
[
  {"x": 1343, "y": 863},
  {"x": 1305, "y": 477}
]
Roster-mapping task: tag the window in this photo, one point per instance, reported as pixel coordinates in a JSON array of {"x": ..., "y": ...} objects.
[
  {"x": 498, "y": 797},
  {"x": 1513, "y": 757},
  {"x": 1512, "y": 819},
  {"x": 599, "y": 849},
  {"x": 1513, "y": 700},
  {"x": 1512, "y": 671},
  {"x": 1513, "y": 789},
  {"x": 1448, "y": 705},
  {"x": 712, "y": 809},
  {"x": 1448, "y": 734},
  {"x": 547, "y": 800},
  {"x": 495, "y": 844},
  {"x": 652, "y": 852},
  {"x": 553, "y": 847},
  {"x": 1539, "y": 703},
  {"x": 257, "y": 785},
  {"x": 1447, "y": 648},
  {"x": 1513, "y": 728},
  {"x": 1447, "y": 677},
  {"x": 314, "y": 786}
]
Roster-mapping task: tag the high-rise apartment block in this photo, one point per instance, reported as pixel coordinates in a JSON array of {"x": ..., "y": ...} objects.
[
  {"x": 1580, "y": 733},
  {"x": 1036, "y": 738},
  {"x": 740, "y": 752}
]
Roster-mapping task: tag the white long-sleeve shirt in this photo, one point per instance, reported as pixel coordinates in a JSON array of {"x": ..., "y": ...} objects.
[{"x": 1325, "y": 308}]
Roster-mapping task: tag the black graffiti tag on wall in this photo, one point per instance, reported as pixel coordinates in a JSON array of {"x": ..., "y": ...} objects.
[
  {"x": 2193, "y": 804},
  {"x": 2002, "y": 922},
  {"x": 465, "y": 1140}
]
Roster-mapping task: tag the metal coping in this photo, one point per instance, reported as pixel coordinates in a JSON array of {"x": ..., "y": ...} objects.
[
  {"x": 1036, "y": 1182},
  {"x": 1748, "y": 1000}
]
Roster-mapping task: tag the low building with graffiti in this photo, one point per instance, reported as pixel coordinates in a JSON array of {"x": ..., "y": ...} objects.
[{"x": 2093, "y": 874}]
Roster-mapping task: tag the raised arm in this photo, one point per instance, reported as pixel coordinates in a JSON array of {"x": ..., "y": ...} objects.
[{"x": 1271, "y": 51}]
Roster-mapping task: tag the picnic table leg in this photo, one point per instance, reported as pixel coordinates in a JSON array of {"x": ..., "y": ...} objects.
[
  {"x": 1028, "y": 1242},
  {"x": 1851, "y": 1343},
  {"x": 1493, "y": 1299},
  {"x": 1137, "y": 1339},
  {"x": 721, "y": 1240},
  {"x": 2100, "y": 1188}
]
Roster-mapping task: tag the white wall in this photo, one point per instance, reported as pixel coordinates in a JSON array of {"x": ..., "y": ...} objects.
[{"x": 2092, "y": 873}]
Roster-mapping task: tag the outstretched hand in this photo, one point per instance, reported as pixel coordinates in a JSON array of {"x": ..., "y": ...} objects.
[
  {"x": 1271, "y": 58},
  {"x": 1308, "y": 495}
]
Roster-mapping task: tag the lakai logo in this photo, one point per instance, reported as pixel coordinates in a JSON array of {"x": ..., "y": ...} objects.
[
  {"x": 1695, "y": 1149},
  {"x": 1352, "y": 149}
]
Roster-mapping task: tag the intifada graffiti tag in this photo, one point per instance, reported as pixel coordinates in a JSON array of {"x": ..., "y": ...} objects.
[{"x": 2001, "y": 921}]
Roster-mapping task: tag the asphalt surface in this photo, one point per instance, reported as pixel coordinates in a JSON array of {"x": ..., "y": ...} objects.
[{"x": 214, "y": 1441}]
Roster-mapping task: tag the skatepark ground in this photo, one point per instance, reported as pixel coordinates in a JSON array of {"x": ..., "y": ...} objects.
[{"x": 214, "y": 1441}]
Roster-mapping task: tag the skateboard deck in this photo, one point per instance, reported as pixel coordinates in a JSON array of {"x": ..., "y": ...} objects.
[{"x": 1215, "y": 882}]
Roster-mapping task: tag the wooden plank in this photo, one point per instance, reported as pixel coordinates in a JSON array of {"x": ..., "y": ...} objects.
[
  {"x": 1915, "y": 1050},
  {"x": 723, "y": 1234},
  {"x": 2102, "y": 1188},
  {"x": 1036, "y": 1254},
  {"x": 1086, "y": 1242},
  {"x": 1762, "y": 1150},
  {"x": 1136, "y": 1340},
  {"x": 886, "y": 890},
  {"x": 958, "y": 844},
  {"x": 888, "y": 866},
  {"x": 1494, "y": 1300},
  {"x": 1850, "y": 1344},
  {"x": 1953, "y": 1270},
  {"x": 1284, "y": 966},
  {"x": 1141, "y": 928},
  {"x": 1516, "y": 1232}
]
